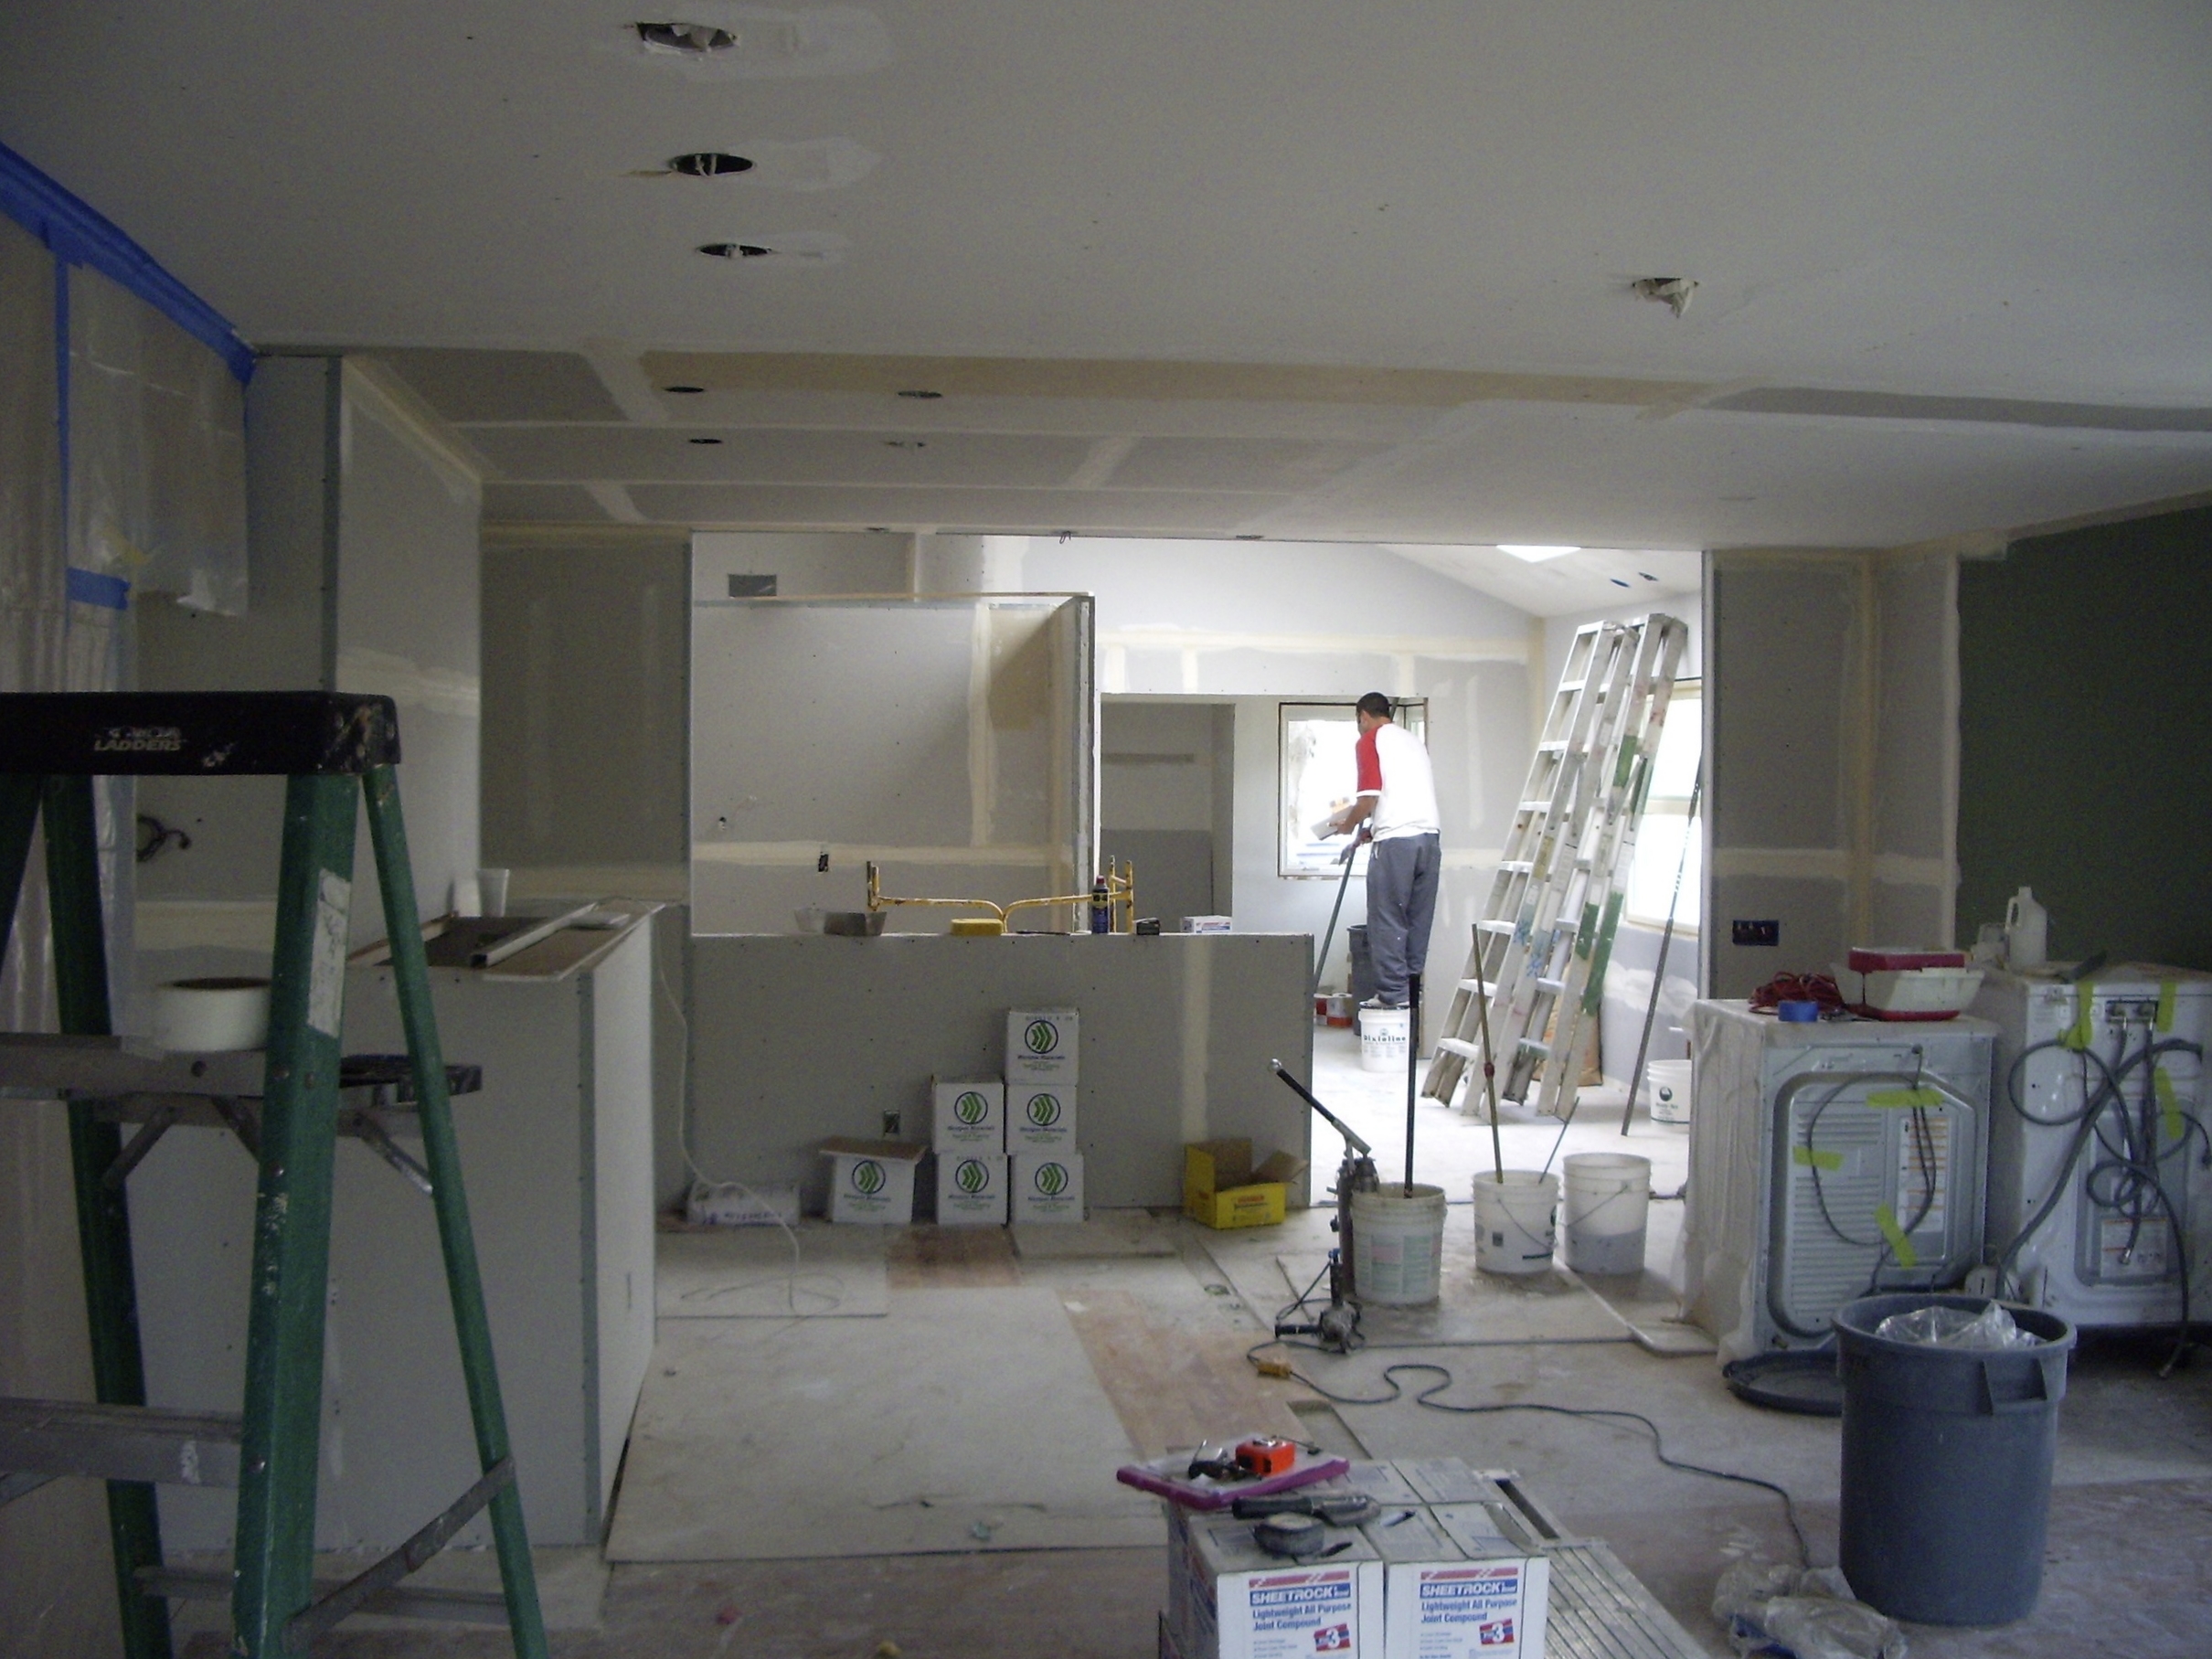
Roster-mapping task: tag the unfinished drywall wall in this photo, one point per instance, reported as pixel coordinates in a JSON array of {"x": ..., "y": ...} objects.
[
  {"x": 795, "y": 1038},
  {"x": 1254, "y": 626},
  {"x": 2085, "y": 700},
  {"x": 1831, "y": 746},
  {"x": 362, "y": 542},
  {"x": 1157, "y": 769},
  {"x": 948, "y": 740},
  {"x": 804, "y": 565}
]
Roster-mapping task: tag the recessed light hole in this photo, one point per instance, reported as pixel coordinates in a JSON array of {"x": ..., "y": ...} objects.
[
  {"x": 735, "y": 250},
  {"x": 697, "y": 38},
  {"x": 906, "y": 444},
  {"x": 1647, "y": 576},
  {"x": 921, "y": 394},
  {"x": 705, "y": 441},
  {"x": 683, "y": 391},
  {"x": 708, "y": 164},
  {"x": 1619, "y": 583}
]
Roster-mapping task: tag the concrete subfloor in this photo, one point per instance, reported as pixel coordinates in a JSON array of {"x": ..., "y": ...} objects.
[{"x": 2127, "y": 1564}]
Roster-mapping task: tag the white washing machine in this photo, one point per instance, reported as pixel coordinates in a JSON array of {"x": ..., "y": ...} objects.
[
  {"x": 1828, "y": 1161},
  {"x": 2100, "y": 1168}
]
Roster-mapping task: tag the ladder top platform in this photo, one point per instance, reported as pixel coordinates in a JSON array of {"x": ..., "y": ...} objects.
[{"x": 196, "y": 733}]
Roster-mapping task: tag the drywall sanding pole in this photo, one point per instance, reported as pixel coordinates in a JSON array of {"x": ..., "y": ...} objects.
[
  {"x": 1650, "y": 1012},
  {"x": 1329, "y": 938},
  {"x": 1413, "y": 1076}
]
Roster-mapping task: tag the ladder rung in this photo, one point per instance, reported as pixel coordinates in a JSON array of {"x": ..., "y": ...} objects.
[
  {"x": 1518, "y": 866},
  {"x": 1529, "y": 1045},
  {"x": 1552, "y": 985},
  {"x": 398, "y": 1601},
  {"x": 119, "y": 1442},
  {"x": 1452, "y": 1045},
  {"x": 1495, "y": 927}
]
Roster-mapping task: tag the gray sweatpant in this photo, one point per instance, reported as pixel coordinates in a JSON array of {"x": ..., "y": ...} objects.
[{"x": 1401, "y": 903}]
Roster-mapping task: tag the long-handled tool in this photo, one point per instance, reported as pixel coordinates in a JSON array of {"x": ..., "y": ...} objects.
[
  {"x": 1650, "y": 1012},
  {"x": 1338, "y": 1324},
  {"x": 1490, "y": 1068},
  {"x": 1321, "y": 956}
]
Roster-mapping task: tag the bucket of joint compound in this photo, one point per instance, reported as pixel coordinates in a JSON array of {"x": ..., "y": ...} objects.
[
  {"x": 1382, "y": 1038},
  {"x": 1607, "y": 1198},
  {"x": 1398, "y": 1244},
  {"x": 1513, "y": 1221},
  {"x": 1667, "y": 1090}
]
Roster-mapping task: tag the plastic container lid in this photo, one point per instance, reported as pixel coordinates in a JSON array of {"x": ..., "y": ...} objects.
[
  {"x": 1890, "y": 959},
  {"x": 1798, "y": 1013}
]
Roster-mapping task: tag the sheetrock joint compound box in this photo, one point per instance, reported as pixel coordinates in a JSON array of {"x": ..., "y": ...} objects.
[
  {"x": 1041, "y": 1045},
  {"x": 1040, "y": 1117},
  {"x": 969, "y": 1115},
  {"x": 872, "y": 1182},
  {"x": 1048, "y": 1187},
  {"x": 971, "y": 1190},
  {"x": 1242, "y": 1602}
]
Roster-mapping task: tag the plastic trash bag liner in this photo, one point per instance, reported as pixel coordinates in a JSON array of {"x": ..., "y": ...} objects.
[
  {"x": 1784, "y": 1612},
  {"x": 1942, "y": 1327}
]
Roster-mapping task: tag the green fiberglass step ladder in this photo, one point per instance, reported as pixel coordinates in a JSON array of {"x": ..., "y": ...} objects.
[
  {"x": 1537, "y": 970},
  {"x": 288, "y": 1106}
]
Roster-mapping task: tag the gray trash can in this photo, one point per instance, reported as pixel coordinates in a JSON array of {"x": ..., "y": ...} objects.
[{"x": 1947, "y": 1464}]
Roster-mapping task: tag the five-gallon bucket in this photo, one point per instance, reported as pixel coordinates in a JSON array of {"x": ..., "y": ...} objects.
[
  {"x": 1398, "y": 1244},
  {"x": 1382, "y": 1038},
  {"x": 1667, "y": 1083},
  {"x": 1607, "y": 1200},
  {"x": 1947, "y": 1463},
  {"x": 1513, "y": 1221}
]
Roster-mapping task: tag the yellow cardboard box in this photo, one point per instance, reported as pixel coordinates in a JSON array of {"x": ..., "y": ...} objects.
[{"x": 1221, "y": 1189}]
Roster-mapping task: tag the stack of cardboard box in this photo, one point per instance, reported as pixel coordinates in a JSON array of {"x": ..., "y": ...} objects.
[
  {"x": 1005, "y": 1146},
  {"x": 1447, "y": 1568}
]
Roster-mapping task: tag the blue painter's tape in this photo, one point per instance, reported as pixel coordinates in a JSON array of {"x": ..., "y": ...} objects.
[
  {"x": 90, "y": 588},
  {"x": 80, "y": 234}
]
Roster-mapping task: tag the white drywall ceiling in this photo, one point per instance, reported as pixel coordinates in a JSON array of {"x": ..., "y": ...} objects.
[{"x": 1972, "y": 200}]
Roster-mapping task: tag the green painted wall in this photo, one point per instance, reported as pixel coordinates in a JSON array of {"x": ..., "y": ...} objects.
[{"x": 2085, "y": 728}]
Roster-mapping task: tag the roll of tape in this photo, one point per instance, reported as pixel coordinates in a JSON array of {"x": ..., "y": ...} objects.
[{"x": 211, "y": 1015}]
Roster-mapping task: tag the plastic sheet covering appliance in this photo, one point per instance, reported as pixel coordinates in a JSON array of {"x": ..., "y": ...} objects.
[
  {"x": 2098, "y": 1148},
  {"x": 1828, "y": 1161}
]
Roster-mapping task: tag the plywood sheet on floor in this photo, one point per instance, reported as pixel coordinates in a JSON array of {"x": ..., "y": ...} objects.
[
  {"x": 750, "y": 1272},
  {"x": 965, "y": 1420}
]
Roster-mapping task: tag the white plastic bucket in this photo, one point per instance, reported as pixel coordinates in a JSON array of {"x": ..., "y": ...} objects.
[
  {"x": 1382, "y": 1038},
  {"x": 1397, "y": 1245},
  {"x": 211, "y": 1015},
  {"x": 1513, "y": 1221},
  {"x": 1608, "y": 1201},
  {"x": 1667, "y": 1090}
]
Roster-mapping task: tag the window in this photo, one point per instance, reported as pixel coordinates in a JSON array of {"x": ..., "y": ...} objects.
[
  {"x": 1667, "y": 839},
  {"x": 1319, "y": 776}
]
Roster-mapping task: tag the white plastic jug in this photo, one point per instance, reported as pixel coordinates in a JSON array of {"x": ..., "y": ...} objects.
[{"x": 2027, "y": 930}]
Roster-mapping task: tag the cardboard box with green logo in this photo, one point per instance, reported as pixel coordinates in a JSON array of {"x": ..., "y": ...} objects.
[
  {"x": 971, "y": 1190},
  {"x": 1040, "y": 1117},
  {"x": 1048, "y": 1187},
  {"x": 872, "y": 1182},
  {"x": 1041, "y": 1045},
  {"x": 970, "y": 1115},
  {"x": 1222, "y": 1189}
]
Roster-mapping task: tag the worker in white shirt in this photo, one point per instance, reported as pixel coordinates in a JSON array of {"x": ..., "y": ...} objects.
[{"x": 1397, "y": 802}]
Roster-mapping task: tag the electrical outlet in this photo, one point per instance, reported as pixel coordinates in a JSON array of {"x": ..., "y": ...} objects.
[
  {"x": 891, "y": 1121},
  {"x": 1755, "y": 932}
]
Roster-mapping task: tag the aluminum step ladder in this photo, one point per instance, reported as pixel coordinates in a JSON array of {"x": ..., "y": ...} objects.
[
  {"x": 288, "y": 1106},
  {"x": 1536, "y": 969}
]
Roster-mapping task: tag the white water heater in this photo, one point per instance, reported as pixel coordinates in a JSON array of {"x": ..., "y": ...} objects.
[
  {"x": 1828, "y": 1161},
  {"x": 2099, "y": 1189}
]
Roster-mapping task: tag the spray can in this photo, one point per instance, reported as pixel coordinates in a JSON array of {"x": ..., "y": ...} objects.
[{"x": 1102, "y": 907}]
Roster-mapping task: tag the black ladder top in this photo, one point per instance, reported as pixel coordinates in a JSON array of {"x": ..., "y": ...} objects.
[{"x": 196, "y": 733}]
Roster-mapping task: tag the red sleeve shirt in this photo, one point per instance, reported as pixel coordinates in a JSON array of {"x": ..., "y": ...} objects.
[{"x": 1371, "y": 764}]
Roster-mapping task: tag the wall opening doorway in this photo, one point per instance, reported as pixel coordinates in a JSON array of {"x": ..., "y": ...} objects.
[{"x": 1166, "y": 802}]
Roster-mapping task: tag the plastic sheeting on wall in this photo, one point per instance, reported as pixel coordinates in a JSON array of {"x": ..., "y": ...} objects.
[{"x": 157, "y": 452}]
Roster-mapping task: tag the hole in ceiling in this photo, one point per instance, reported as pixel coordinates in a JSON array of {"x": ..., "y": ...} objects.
[
  {"x": 708, "y": 164},
  {"x": 684, "y": 391},
  {"x": 906, "y": 444},
  {"x": 1617, "y": 581},
  {"x": 705, "y": 441},
  {"x": 1647, "y": 576},
  {"x": 735, "y": 250},
  {"x": 921, "y": 394},
  {"x": 1252, "y": 538},
  {"x": 698, "y": 38}
]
